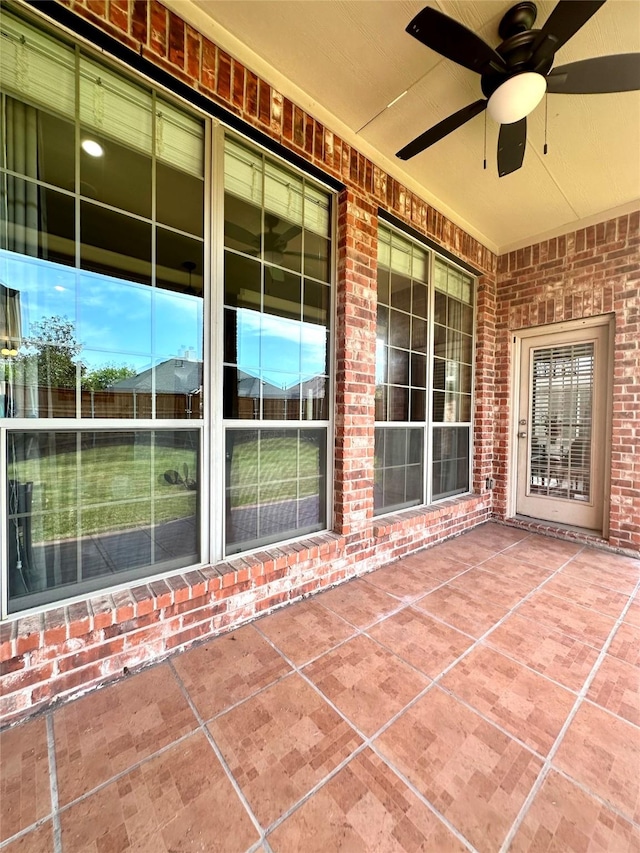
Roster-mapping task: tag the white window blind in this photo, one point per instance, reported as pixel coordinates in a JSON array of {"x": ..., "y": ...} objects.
[
  {"x": 286, "y": 195},
  {"x": 39, "y": 69},
  {"x": 243, "y": 172},
  {"x": 36, "y": 68}
]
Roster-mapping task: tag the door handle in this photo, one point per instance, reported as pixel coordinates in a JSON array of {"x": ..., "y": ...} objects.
[{"x": 522, "y": 435}]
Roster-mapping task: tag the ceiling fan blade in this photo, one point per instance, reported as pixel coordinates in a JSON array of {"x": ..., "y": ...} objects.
[
  {"x": 290, "y": 233},
  {"x": 512, "y": 141},
  {"x": 241, "y": 235},
  {"x": 563, "y": 23},
  {"x": 440, "y": 130},
  {"x": 620, "y": 73},
  {"x": 454, "y": 41}
]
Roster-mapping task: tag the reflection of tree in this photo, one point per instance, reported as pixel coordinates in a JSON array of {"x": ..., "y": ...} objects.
[
  {"x": 53, "y": 347},
  {"x": 105, "y": 377}
]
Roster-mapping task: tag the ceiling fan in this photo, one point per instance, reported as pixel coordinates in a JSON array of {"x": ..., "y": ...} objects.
[
  {"x": 516, "y": 75},
  {"x": 273, "y": 243}
]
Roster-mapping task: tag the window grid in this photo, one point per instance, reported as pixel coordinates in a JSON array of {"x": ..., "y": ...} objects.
[{"x": 424, "y": 374}]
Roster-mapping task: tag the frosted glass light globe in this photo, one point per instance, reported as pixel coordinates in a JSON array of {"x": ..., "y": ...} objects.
[{"x": 517, "y": 97}]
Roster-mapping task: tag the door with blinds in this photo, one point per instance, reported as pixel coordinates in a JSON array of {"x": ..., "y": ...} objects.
[{"x": 561, "y": 426}]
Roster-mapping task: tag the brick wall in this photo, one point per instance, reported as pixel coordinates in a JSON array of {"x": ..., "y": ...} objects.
[
  {"x": 586, "y": 273},
  {"x": 70, "y": 649}
]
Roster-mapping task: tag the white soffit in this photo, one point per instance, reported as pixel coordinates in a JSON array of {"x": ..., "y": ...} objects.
[{"x": 345, "y": 60}]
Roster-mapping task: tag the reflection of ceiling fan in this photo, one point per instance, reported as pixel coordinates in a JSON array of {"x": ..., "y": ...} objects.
[
  {"x": 515, "y": 76},
  {"x": 271, "y": 241}
]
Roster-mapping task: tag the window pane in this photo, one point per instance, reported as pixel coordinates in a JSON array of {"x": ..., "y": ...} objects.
[
  {"x": 275, "y": 485},
  {"x": 36, "y": 221},
  {"x": 398, "y": 468},
  {"x": 398, "y": 403},
  {"x": 172, "y": 184},
  {"x": 119, "y": 177},
  {"x": 241, "y": 281},
  {"x": 316, "y": 255},
  {"x": 90, "y": 509},
  {"x": 242, "y": 225},
  {"x": 450, "y": 461},
  {"x": 115, "y": 244}
]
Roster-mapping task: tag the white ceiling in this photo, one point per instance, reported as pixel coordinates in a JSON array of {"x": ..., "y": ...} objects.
[{"x": 345, "y": 60}]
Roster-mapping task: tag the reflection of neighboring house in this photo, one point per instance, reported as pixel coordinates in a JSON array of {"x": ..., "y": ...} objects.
[
  {"x": 279, "y": 400},
  {"x": 175, "y": 381},
  {"x": 173, "y": 376}
]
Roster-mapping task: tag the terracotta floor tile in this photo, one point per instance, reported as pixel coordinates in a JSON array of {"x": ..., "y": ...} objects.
[
  {"x": 603, "y": 574},
  {"x": 366, "y": 682},
  {"x": 228, "y": 669},
  {"x": 510, "y": 566},
  {"x": 305, "y": 630},
  {"x": 181, "y": 800},
  {"x": 616, "y": 687},
  {"x": 403, "y": 582},
  {"x": 633, "y": 613},
  {"x": 472, "y": 615},
  {"x": 587, "y": 594},
  {"x": 465, "y": 550},
  {"x": 110, "y": 730},
  {"x": 434, "y": 564},
  {"x": 616, "y": 563},
  {"x": 424, "y": 642},
  {"x": 603, "y": 753},
  {"x": 545, "y": 649},
  {"x": 544, "y": 551},
  {"x": 39, "y": 840},
  {"x": 524, "y": 703},
  {"x": 475, "y": 775},
  {"x": 504, "y": 591},
  {"x": 25, "y": 795},
  {"x": 564, "y": 819},
  {"x": 365, "y": 808},
  {"x": 583, "y": 624},
  {"x": 281, "y": 743},
  {"x": 494, "y": 536},
  {"x": 358, "y": 602},
  {"x": 626, "y": 644}
]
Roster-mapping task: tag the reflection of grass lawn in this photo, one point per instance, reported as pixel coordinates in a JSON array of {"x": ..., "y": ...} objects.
[
  {"x": 288, "y": 469},
  {"x": 117, "y": 487}
]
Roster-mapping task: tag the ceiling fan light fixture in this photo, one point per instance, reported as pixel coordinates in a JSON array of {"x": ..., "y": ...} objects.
[{"x": 517, "y": 97}]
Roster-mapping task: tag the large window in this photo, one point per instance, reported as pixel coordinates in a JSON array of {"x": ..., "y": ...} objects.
[
  {"x": 101, "y": 322},
  {"x": 423, "y": 375},
  {"x": 277, "y": 228}
]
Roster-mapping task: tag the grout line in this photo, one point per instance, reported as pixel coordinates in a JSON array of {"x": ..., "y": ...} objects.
[
  {"x": 25, "y": 831},
  {"x": 598, "y": 797},
  {"x": 544, "y": 772},
  {"x": 128, "y": 770},
  {"x": 53, "y": 780},
  {"x": 418, "y": 793},
  {"x": 367, "y": 743},
  {"x": 203, "y": 728}
]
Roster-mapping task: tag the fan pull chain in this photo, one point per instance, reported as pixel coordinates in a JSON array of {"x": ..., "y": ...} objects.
[
  {"x": 546, "y": 116},
  {"x": 485, "y": 139}
]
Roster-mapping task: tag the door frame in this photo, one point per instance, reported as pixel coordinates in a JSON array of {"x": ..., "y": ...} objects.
[{"x": 516, "y": 338}]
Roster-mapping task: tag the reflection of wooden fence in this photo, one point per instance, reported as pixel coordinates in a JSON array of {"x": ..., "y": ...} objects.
[{"x": 124, "y": 405}]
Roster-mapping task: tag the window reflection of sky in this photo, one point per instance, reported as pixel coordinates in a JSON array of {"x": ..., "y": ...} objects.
[
  {"x": 116, "y": 321},
  {"x": 281, "y": 351}
]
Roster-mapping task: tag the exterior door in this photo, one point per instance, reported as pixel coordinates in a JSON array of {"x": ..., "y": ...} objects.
[{"x": 561, "y": 426}]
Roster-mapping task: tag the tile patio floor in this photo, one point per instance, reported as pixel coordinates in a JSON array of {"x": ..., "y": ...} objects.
[{"x": 482, "y": 695}]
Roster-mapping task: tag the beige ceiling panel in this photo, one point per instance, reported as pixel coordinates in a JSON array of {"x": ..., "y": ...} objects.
[
  {"x": 348, "y": 59},
  {"x": 587, "y": 165},
  {"x": 353, "y": 57}
]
